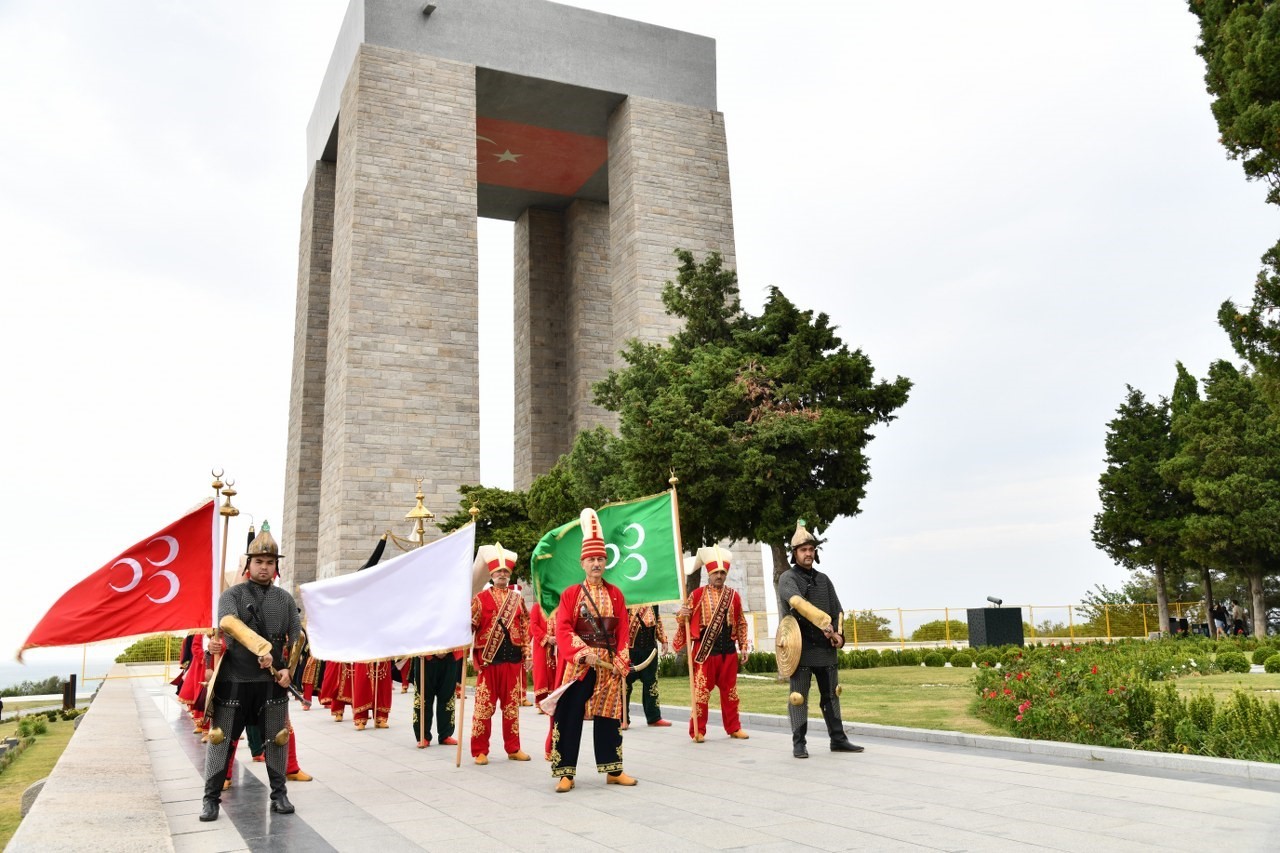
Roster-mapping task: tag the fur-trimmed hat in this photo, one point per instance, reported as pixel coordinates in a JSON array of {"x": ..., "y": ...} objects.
[
  {"x": 713, "y": 558},
  {"x": 592, "y": 534},
  {"x": 491, "y": 558}
]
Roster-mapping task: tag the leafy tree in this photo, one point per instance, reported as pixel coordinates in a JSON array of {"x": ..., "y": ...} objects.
[
  {"x": 1141, "y": 519},
  {"x": 52, "y": 684},
  {"x": 1229, "y": 462},
  {"x": 588, "y": 475},
  {"x": 503, "y": 517},
  {"x": 940, "y": 629},
  {"x": 1240, "y": 45},
  {"x": 867, "y": 626},
  {"x": 764, "y": 418}
]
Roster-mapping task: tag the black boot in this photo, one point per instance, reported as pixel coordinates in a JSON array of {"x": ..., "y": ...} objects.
[
  {"x": 844, "y": 746},
  {"x": 798, "y": 734},
  {"x": 210, "y": 810},
  {"x": 280, "y": 804}
]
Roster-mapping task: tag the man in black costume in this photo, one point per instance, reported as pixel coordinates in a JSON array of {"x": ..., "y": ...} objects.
[
  {"x": 251, "y": 683},
  {"x": 809, "y": 596}
]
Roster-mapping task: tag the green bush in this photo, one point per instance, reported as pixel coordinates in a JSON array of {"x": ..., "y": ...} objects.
[
  {"x": 1011, "y": 658},
  {"x": 1232, "y": 662},
  {"x": 908, "y": 657},
  {"x": 948, "y": 652},
  {"x": 1272, "y": 664},
  {"x": 941, "y": 630},
  {"x": 934, "y": 659},
  {"x": 889, "y": 657},
  {"x": 987, "y": 656},
  {"x": 1261, "y": 655},
  {"x": 962, "y": 660},
  {"x": 151, "y": 649}
]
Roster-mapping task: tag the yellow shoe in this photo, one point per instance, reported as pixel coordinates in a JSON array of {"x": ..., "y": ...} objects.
[
  {"x": 620, "y": 779},
  {"x": 360, "y": 724},
  {"x": 300, "y": 776},
  {"x": 482, "y": 760},
  {"x": 519, "y": 755},
  {"x": 698, "y": 738},
  {"x": 226, "y": 786},
  {"x": 565, "y": 785},
  {"x": 739, "y": 735},
  {"x": 382, "y": 724}
]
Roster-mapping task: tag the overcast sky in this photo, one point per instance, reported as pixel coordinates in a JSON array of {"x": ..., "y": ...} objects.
[{"x": 1020, "y": 206}]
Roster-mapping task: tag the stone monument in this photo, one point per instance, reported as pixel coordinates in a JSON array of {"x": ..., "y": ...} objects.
[{"x": 596, "y": 135}]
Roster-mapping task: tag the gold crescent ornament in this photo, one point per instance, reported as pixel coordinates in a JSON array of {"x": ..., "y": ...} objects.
[{"x": 796, "y": 699}]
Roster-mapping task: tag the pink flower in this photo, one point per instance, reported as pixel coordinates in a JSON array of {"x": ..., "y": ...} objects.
[
  {"x": 1018, "y": 718},
  {"x": 1110, "y": 690},
  {"x": 1008, "y": 692}
]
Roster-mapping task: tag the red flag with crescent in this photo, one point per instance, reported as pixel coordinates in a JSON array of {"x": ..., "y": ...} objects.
[{"x": 163, "y": 583}]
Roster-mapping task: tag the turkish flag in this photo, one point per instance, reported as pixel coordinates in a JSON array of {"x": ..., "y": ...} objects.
[
  {"x": 163, "y": 583},
  {"x": 526, "y": 157}
]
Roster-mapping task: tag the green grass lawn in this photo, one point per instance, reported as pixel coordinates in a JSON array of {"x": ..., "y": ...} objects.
[
  {"x": 1263, "y": 685},
  {"x": 31, "y": 766},
  {"x": 912, "y": 696}
]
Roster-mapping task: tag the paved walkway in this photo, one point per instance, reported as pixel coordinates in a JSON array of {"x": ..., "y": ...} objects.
[{"x": 374, "y": 790}]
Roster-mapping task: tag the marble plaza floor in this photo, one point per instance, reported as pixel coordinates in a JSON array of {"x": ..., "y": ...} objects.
[{"x": 375, "y": 791}]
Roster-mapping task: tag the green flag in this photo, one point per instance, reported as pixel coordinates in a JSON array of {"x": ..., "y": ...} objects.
[{"x": 640, "y": 538}]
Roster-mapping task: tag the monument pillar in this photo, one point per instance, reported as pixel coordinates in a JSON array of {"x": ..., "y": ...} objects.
[{"x": 402, "y": 368}]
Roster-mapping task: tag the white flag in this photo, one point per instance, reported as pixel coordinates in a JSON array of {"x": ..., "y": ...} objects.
[{"x": 417, "y": 603}]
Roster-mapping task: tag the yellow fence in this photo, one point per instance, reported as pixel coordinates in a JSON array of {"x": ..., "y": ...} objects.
[{"x": 949, "y": 625}]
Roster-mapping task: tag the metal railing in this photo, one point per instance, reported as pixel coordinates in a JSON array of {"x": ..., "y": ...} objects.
[{"x": 949, "y": 625}]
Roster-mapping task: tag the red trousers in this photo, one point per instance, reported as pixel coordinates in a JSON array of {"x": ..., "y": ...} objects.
[
  {"x": 497, "y": 683},
  {"x": 371, "y": 689},
  {"x": 719, "y": 671}
]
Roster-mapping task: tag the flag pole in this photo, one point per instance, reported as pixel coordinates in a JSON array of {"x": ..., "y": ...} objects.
[
  {"x": 462, "y": 685},
  {"x": 221, "y": 583},
  {"x": 688, "y": 648},
  {"x": 228, "y": 512},
  {"x": 420, "y": 515}
]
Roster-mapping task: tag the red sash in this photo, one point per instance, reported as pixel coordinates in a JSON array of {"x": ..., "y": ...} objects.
[
  {"x": 506, "y": 615},
  {"x": 714, "y": 627}
]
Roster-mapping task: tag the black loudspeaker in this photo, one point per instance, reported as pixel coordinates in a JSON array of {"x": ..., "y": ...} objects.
[{"x": 995, "y": 626}]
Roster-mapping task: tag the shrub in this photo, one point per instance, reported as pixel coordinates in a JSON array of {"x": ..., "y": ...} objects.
[
  {"x": 1272, "y": 664},
  {"x": 948, "y": 652},
  {"x": 934, "y": 659},
  {"x": 908, "y": 657},
  {"x": 151, "y": 649},
  {"x": 1261, "y": 655},
  {"x": 987, "y": 656},
  {"x": 1232, "y": 662},
  {"x": 1011, "y": 657},
  {"x": 962, "y": 659},
  {"x": 941, "y": 630},
  {"x": 889, "y": 657}
]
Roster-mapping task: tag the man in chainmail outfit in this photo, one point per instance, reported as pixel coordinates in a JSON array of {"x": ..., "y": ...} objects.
[
  {"x": 252, "y": 689},
  {"x": 818, "y": 645}
]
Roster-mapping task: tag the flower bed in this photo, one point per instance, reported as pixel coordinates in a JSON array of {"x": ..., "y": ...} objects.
[{"x": 1122, "y": 695}]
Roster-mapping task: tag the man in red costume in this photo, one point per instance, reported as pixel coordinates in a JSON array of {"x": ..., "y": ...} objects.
[
  {"x": 335, "y": 689},
  {"x": 371, "y": 691},
  {"x": 542, "y": 647},
  {"x": 591, "y": 638},
  {"x": 713, "y": 618},
  {"x": 500, "y": 654}
]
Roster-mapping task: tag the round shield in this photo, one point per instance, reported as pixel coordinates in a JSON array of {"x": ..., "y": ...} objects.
[{"x": 786, "y": 646}]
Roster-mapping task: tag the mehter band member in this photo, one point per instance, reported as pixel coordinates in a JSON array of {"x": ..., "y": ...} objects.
[
  {"x": 591, "y": 639},
  {"x": 808, "y": 595},
  {"x": 252, "y": 680},
  {"x": 500, "y": 654},
  {"x": 713, "y": 618}
]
